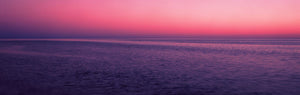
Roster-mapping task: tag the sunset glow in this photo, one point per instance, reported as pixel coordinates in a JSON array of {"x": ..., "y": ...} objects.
[{"x": 150, "y": 17}]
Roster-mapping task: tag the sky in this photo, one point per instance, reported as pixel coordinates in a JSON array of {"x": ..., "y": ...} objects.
[{"x": 96, "y": 18}]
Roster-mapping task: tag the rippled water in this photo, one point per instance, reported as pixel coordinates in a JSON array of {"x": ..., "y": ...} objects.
[{"x": 149, "y": 67}]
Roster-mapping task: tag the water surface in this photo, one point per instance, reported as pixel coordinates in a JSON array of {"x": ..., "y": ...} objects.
[{"x": 149, "y": 67}]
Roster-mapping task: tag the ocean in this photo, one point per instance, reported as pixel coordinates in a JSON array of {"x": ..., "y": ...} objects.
[{"x": 149, "y": 67}]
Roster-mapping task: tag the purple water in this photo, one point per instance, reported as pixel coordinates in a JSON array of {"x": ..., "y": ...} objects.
[{"x": 149, "y": 67}]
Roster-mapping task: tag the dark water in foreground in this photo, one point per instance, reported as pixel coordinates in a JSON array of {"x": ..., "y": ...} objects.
[{"x": 110, "y": 67}]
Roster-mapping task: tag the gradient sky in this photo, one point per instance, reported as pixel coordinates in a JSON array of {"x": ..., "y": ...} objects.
[{"x": 75, "y": 18}]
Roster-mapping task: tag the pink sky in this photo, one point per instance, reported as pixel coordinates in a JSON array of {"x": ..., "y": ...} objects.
[{"x": 158, "y": 17}]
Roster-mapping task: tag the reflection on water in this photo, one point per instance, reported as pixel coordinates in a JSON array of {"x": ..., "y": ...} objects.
[{"x": 190, "y": 67}]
